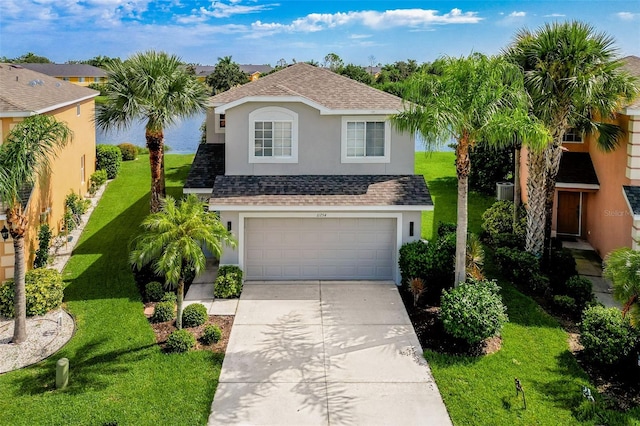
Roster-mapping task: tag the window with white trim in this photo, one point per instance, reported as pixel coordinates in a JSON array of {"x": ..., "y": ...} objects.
[
  {"x": 572, "y": 136},
  {"x": 365, "y": 139},
  {"x": 82, "y": 169},
  {"x": 273, "y": 135}
]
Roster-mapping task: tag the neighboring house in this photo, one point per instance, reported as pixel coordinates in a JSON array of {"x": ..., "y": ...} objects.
[
  {"x": 307, "y": 171},
  {"x": 253, "y": 71},
  {"x": 24, "y": 93},
  {"x": 598, "y": 194},
  {"x": 80, "y": 74}
]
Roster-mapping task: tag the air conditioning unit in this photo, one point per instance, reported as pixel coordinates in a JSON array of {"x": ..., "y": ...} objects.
[{"x": 504, "y": 191}]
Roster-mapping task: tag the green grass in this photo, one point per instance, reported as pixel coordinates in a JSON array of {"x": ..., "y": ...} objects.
[
  {"x": 481, "y": 391},
  {"x": 117, "y": 372}
]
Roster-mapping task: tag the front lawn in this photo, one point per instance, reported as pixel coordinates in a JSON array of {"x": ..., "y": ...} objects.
[
  {"x": 118, "y": 375},
  {"x": 481, "y": 390}
]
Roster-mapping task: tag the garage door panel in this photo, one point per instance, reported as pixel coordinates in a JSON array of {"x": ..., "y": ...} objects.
[{"x": 307, "y": 248}]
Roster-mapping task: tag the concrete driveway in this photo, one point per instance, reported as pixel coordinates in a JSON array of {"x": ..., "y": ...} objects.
[{"x": 320, "y": 353}]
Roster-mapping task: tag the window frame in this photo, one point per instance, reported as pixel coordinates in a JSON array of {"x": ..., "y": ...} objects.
[
  {"x": 386, "y": 158},
  {"x": 573, "y": 132},
  {"x": 273, "y": 115}
]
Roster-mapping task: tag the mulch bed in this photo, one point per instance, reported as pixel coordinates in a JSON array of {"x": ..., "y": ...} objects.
[{"x": 164, "y": 329}]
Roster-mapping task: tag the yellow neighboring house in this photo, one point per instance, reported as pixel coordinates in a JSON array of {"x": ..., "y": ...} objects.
[
  {"x": 80, "y": 74},
  {"x": 24, "y": 93}
]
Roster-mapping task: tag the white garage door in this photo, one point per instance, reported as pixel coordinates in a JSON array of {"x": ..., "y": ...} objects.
[{"x": 309, "y": 248}]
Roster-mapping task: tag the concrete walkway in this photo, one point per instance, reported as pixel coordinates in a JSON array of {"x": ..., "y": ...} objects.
[
  {"x": 320, "y": 353},
  {"x": 589, "y": 265},
  {"x": 201, "y": 291}
]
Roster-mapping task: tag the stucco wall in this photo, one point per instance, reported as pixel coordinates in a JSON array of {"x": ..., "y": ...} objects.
[
  {"x": 319, "y": 146},
  {"x": 49, "y": 193}
]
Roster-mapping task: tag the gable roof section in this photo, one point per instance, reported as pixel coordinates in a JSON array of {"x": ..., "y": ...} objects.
[
  {"x": 328, "y": 192},
  {"x": 317, "y": 87},
  {"x": 24, "y": 92},
  {"x": 207, "y": 164},
  {"x": 66, "y": 70},
  {"x": 576, "y": 171}
]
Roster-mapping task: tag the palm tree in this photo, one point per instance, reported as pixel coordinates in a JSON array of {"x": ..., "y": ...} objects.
[
  {"x": 154, "y": 87},
  {"x": 572, "y": 77},
  {"x": 25, "y": 156},
  {"x": 622, "y": 268},
  {"x": 477, "y": 99},
  {"x": 173, "y": 240}
]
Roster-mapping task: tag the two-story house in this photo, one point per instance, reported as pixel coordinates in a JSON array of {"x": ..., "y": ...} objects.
[
  {"x": 24, "y": 93},
  {"x": 80, "y": 74},
  {"x": 305, "y": 168},
  {"x": 597, "y": 195}
]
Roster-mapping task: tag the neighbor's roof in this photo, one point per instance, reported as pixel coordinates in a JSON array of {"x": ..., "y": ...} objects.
[
  {"x": 319, "y": 87},
  {"x": 66, "y": 70},
  {"x": 24, "y": 92},
  {"x": 205, "y": 70},
  {"x": 397, "y": 192},
  {"x": 631, "y": 64}
]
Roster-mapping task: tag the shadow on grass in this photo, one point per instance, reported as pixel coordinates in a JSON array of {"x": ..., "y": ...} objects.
[{"x": 177, "y": 174}]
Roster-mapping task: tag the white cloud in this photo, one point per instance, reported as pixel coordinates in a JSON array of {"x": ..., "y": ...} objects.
[
  {"x": 220, "y": 9},
  {"x": 372, "y": 19},
  {"x": 515, "y": 14},
  {"x": 359, "y": 36},
  {"x": 555, "y": 15},
  {"x": 627, "y": 16}
]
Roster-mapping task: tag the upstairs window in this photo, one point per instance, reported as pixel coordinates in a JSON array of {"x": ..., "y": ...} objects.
[
  {"x": 365, "y": 140},
  {"x": 223, "y": 121},
  {"x": 572, "y": 136},
  {"x": 273, "y": 136}
]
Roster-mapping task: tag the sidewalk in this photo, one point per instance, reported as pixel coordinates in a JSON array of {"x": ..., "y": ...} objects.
[{"x": 201, "y": 291}]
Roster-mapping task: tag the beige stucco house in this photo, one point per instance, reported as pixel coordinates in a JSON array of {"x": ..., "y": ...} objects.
[
  {"x": 80, "y": 74},
  {"x": 306, "y": 170},
  {"x": 597, "y": 195},
  {"x": 24, "y": 93}
]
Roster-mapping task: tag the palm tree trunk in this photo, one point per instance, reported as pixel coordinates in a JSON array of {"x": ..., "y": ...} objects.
[
  {"x": 155, "y": 143},
  {"x": 463, "y": 167},
  {"x": 179, "y": 302},
  {"x": 553, "y": 154},
  {"x": 536, "y": 203},
  {"x": 516, "y": 186},
  {"x": 20, "y": 302}
]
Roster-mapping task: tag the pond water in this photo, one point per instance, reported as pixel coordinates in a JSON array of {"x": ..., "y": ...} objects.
[{"x": 183, "y": 137}]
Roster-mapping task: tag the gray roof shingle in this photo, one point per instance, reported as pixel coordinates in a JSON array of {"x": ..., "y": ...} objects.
[
  {"x": 577, "y": 168},
  {"x": 319, "y": 85},
  {"x": 207, "y": 164},
  {"x": 66, "y": 70},
  {"x": 321, "y": 190},
  {"x": 633, "y": 198}
]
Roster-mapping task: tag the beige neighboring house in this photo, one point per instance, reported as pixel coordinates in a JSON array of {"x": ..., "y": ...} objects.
[
  {"x": 80, "y": 74},
  {"x": 24, "y": 93},
  {"x": 306, "y": 170},
  {"x": 597, "y": 195}
]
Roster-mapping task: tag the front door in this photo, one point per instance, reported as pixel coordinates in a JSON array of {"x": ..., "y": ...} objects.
[{"x": 569, "y": 213}]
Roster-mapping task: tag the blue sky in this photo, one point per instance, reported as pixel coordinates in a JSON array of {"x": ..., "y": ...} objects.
[{"x": 264, "y": 31}]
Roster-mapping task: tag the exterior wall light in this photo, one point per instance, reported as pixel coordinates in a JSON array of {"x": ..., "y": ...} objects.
[{"x": 4, "y": 233}]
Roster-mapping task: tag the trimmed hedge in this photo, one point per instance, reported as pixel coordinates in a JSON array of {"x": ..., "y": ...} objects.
[
  {"x": 109, "y": 158},
  {"x": 164, "y": 311},
  {"x": 44, "y": 292},
  {"x": 498, "y": 219},
  {"x": 154, "y": 291},
  {"x": 180, "y": 341},
  {"x": 169, "y": 296},
  {"x": 228, "y": 284},
  {"x": 194, "y": 315},
  {"x": 581, "y": 290},
  {"x": 128, "y": 151},
  {"x": 211, "y": 334},
  {"x": 607, "y": 337}
]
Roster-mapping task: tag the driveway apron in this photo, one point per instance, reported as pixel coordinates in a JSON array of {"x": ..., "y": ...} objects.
[{"x": 324, "y": 353}]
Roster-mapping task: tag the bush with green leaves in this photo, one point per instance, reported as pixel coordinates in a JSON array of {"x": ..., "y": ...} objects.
[
  {"x": 154, "y": 291},
  {"x": 109, "y": 158},
  {"x": 608, "y": 338},
  {"x": 128, "y": 150},
  {"x": 98, "y": 178},
  {"x": 169, "y": 296},
  {"x": 498, "y": 219},
  {"x": 565, "y": 304},
  {"x": 163, "y": 311},
  {"x": 211, "y": 334},
  {"x": 581, "y": 290},
  {"x": 180, "y": 341},
  {"x": 473, "y": 310},
  {"x": 44, "y": 242},
  {"x": 560, "y": 268},
  {"x": 413, "y": 260},
  {"x": 194, "y": 315},
  {"x": 446, "y": 228},
  {"x": 517, "y": 265},
  {"x": 43, "y": 288},
  {"x": 228, "y": 283},
  {"x": 490, "y": 165}
]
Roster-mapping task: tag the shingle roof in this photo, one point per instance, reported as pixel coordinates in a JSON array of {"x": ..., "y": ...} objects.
[
  {"x": 321, "y": 190},
  {"x": 23, "y": 91},
  {"x": 319, "y": 85},
  {"x": 207, "y": 164},
  {"x": 631, "y": 64},
  {"x": 66, "y": 70},
  {"x": 632, "y": 193},
  {"x": 577, "y": 168},
  {"x": 250, "y": 68}
]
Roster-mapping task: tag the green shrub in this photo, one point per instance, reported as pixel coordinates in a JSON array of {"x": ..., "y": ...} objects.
[
  {"x": 538, "y": 284},
  {"x": 44, "y": 241},
  {"x": 163, "y": 311},
  {"x": 432, "y": 262},
  {"x": 560, "y": 268},
  {"x": 129, "y": 151},
  {"x": 108, "y": 157},
  {"x": 565, "y": 303},
  {"x": 169, "y": 296},
  {"x": 194, "y": 315},
  {"x": 498, "y": 219},
  {"x": 413, "y": 260},
  {"x": 513, "y": 241},
  {"x": 445, "y": 228},
  {"x": 517, "y": 265},
  {"x": 490, "y": 165},
  {"x": 228, "y": 283},
  {"x": 473, "y": 311},
  {"x": 180, "y": 341},
  {"x": 44, "y": 292},
  {"x": 607, "y": 337},
  {"x": 76, "y": 204},
  {"x": 98, "y": 178},
  {"x": 154, "y": 291},
  {"x": 581, "y": 290},
  {"x": 211, "y": 334},
  {"x": 142, "y": 150}
]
